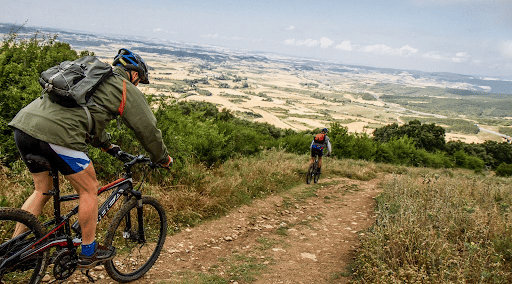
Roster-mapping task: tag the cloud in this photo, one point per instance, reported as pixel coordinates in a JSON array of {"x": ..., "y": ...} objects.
[
  {"x": 451, "y": 2},
  {"x": 345, "y": 45},
  {"x": 434, "y": 55},
  {"x": 290, "y": 28},
  {"x": 387, "y": 50},
  {"x": 459, "y": 57},
  {"x": 211, "y": 35},
  {"x": 308, "y": 42},
  {"x": 325, "y": 42},
  {"x": 506, "y": 49}
]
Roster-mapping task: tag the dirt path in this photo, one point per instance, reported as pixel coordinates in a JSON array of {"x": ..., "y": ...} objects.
[{"x": 307, "y": 235}]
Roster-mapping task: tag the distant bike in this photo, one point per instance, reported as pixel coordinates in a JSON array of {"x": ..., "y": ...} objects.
[
  {"x": 312, "y": 174},
  {"x": 138, "y": 232}
]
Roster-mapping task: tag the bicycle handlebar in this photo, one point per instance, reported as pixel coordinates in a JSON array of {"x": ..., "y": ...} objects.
[{"x": 131, "y": 160}]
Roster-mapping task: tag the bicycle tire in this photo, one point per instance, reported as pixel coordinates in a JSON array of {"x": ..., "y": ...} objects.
[
  {"x": 135, "y": 257},
  {"x": 316, "y": 177},
  {"x": 309, "y": 174},
  {"x": 30, "y": 271}
]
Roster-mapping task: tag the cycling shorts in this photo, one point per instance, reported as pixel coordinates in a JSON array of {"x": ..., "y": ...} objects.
[
  {"x": 319, "y": 152},
  {"x": 65, "y": 160}
]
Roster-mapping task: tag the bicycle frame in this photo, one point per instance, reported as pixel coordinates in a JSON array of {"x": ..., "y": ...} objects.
[{"x": 60, "y": 234}]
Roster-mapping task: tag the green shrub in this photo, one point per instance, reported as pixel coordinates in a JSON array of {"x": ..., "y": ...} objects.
[
  {"x": 297, "y": 143},
  {"x": 504, "y": 170}
]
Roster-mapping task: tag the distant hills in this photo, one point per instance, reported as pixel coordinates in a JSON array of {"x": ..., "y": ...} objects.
[{"x": 82, "y": 40}]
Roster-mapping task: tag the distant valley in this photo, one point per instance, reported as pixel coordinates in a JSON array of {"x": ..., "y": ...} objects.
[{"x": 300, "y": 93}]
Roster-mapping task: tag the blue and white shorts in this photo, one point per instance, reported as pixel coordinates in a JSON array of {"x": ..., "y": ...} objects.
[{"x": 65, "y": 160}]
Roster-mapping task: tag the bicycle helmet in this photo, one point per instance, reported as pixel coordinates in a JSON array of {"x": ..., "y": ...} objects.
[
  {"x": 325, "y": 130},
  {"x": 132, "y": 61}
]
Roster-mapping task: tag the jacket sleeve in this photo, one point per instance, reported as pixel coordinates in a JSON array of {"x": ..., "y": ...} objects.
[
  {"x": 329, "y": 149},
  {"x": 138, "y": 116}
]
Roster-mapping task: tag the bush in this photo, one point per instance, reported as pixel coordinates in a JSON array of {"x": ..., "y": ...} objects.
[
  {"x": 504, "y": 170},
  {"x": 297, "y": 143}
]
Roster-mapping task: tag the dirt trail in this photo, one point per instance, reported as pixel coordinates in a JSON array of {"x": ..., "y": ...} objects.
[{"x": 307, "y": 235}]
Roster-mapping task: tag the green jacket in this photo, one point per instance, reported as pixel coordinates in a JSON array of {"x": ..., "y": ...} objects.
[{"x": 68, "y": 127}]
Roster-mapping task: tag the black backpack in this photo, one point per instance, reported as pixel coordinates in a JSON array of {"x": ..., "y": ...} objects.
[{"x": 72, "y": 83}]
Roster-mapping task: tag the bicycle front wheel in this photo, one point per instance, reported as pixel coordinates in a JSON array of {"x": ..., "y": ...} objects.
[
  {"x": 138, "y": 234},
  {"x": 316, "y": 177},
  {"x": 30, "y": 270}
]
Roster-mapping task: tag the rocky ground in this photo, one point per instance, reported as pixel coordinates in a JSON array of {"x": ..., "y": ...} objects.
[{"x": 307, "y": 235}]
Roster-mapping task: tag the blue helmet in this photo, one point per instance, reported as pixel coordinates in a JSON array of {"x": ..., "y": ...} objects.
[
  {"x": 132, "y": 61},
  {"x": 325, "y": 130}
]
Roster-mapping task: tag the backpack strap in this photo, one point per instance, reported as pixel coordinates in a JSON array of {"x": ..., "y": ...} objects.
[
  {"x": 89, "y": 119},
  {"x": 120, "y": 110}
]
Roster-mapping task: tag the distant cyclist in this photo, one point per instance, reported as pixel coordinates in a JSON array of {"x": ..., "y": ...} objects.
[{"x": 318, "y": 144}]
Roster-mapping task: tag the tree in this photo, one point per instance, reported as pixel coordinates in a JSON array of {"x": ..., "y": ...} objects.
[{"x": 425, "y": 136}]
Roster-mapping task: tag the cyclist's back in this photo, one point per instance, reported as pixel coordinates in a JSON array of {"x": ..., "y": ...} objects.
[{"x": 319, "y": 143}]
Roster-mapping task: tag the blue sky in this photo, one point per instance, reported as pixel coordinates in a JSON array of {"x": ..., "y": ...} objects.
[{"x": 459, "y": 36}]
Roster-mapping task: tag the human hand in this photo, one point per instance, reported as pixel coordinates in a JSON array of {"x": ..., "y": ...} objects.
[{"x": 112, "y": 150}]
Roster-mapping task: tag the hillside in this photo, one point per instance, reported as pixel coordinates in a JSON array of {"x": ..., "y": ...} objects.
[
  {"x": 289, "y": 95},
  {"x": 301, "y": 93}
]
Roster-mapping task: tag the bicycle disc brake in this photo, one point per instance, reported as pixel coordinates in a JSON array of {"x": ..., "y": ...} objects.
[{"x": 65, "y": 264}]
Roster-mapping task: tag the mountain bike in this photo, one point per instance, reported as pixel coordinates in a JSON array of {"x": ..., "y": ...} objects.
[
  {"x": 137, "y": 231},
  {"x": 312, "y": 174}
]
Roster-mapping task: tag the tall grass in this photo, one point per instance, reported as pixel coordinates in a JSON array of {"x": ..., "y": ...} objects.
[
  {"x": 447, "y": 228},
  {"x": 200, "y": 193}
]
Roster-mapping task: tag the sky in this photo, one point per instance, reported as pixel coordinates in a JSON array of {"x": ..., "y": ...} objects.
[{"x": 471, "y": 37}]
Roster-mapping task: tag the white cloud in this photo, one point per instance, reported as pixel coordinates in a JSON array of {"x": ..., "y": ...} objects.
[
  {"x": 212, "y": 35},
  {"x": 308, "y": 42},
  {"x": 434, "y": 55},
  {"x": 345, "y": 45},
  {"x": 290, "y": 28},
  {"x": 387, "y": 50},
  {"x": 407, "y": 50},
  {"x": 459, "y": 57},
  {"x": 325, "y": 42},
  {"x": 506, "y": 49}
]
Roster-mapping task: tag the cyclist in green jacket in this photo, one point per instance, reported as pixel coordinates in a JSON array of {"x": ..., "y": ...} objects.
[{"x": 61, "y": 135}]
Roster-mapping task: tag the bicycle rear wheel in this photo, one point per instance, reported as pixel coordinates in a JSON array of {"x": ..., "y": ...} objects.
[
  {"x": 137, "y": 250},
  {"x": 309, "y": 174},
  {"x": 20, "y": 271}
]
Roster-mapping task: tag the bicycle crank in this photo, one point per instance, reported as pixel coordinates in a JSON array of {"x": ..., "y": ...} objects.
[{"x": 65, "y": 264}]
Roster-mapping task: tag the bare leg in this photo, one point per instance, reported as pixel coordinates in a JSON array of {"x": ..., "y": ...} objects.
[
  {"x": 35, "y": 203},
  {"x": 319, "y": 162},
  {"x": 86, "y": 184}
]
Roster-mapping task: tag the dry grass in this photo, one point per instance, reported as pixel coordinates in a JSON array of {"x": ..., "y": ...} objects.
[
  {"x": 201, "y": 194},
  {"x": 433, "y": 226},
  {"x": 439, "y": 227}
]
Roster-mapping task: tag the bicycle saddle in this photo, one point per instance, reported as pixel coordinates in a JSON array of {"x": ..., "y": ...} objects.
[{"x": 39, "y": 160}]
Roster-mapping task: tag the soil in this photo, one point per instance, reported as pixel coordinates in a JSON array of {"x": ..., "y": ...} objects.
[{"x": 307, "y": 235}]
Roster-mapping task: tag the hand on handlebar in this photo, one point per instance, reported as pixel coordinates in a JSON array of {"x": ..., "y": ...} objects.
[{"x": 112, "y": 150}]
